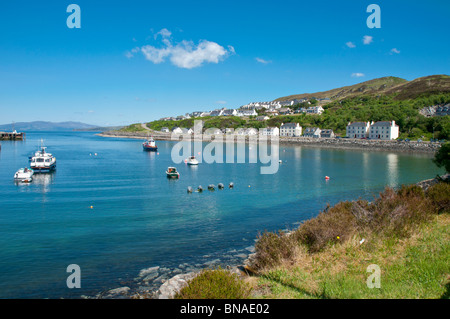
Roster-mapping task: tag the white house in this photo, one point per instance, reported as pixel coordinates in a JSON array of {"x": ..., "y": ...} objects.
[
  {"x": 312, "y": 132},
  {"x": 358, "y": 129},
  {"x": 327, "y": 133},
  {"x": 270, "y": 131},
  {"x": 247, "y": 113},
  {"x": 165, "y": 130},
  {"x": 315, "y": 110},
  {"x": 203, "y": 114},
  {"x": 177, "y": 130},
  {"x": 384, "y": 130},
  {"x": 251, "y": 131},
  {"x": 213, "y": 131},
  {"x": 229, "y": 112},
  {"x": 290, "y": 129},
  {"x": 217, "y": 112},
  {"x": 187, "y": 130},
  {"x": 262, "y": 118}
]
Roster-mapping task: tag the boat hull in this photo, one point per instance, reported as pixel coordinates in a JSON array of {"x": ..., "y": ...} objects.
[
  {"x": 150, "y": 148},
  {"x": 46, "y": 169}
]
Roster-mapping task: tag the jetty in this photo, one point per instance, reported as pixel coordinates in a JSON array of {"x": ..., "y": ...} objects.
[{"x": 12, "y": 136}]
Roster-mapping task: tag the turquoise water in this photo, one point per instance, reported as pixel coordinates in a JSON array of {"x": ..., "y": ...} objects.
[{"x": 141, "y": 219}]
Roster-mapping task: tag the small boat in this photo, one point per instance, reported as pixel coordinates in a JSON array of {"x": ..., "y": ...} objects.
[
  {"x": 24, "y": 175},
  {"x": 191, "y": 160},
  {"x": 211, "y": 187},
  {"x": 199, "y": 188},
  {"x": 42, "y": 162},
  {"x": 172, "y": 172},
  {"x": 150, "y": 145},
  {"x": 220, "y": 186}
]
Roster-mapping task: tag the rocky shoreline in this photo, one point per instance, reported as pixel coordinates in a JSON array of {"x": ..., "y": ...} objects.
[
  {"x": 162, "y": 283},
  {"x": 336, "y": 143}
]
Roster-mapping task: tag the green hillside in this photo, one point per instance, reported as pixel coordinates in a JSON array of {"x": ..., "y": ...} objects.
[
  {"x": 374, "y": 86},
  {"x": 384, "y": 99}
]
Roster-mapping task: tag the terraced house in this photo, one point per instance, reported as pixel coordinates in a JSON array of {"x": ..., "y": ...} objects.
[
  {"x": 290, "y": 129},
  {"x": 358, "y": 130},
  {"x": 383, "y": 130}
]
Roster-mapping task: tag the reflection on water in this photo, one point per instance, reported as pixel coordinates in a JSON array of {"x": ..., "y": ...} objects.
[
  {"x": 392, "y": 169},
  {"x": 43, "y": 181}
]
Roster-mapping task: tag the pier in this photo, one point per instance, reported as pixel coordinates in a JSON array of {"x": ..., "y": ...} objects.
[{"x": 13, "y": 136}]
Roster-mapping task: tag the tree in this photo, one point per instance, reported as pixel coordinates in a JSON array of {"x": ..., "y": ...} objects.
[{"x": 442, "y": 157}]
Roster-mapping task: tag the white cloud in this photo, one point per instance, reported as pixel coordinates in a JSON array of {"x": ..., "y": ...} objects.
[
  {"x": 357, "y": 75},
  {"x": 350, "y": 44},
  {"x": 155, "y": 55},
  {"x": 221, "y": 102},
  {"x": 130, "y": 54},
  {"x": 262, "y": 61},
  {"x": 185, "y": 54},
  {"x": 367, "y": 39},
  {"x": 164, "y": 33},
  {"x": 395, "y": 50}
]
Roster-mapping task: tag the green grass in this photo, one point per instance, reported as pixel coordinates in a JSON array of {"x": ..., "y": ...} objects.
[
  {"x": 406, "y": 234},
  {"x": 413, "y": 254},
  {"x": 215, "y": 284}
]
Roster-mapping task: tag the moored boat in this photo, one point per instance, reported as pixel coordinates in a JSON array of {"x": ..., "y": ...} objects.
[
  {"x": 172, "y": 172},
  {"x": 42, "y": 162},
  {"x": 150, "y": 145},
  {"x": 24, "y": 175},
  {"x": 191, "y": 160}
]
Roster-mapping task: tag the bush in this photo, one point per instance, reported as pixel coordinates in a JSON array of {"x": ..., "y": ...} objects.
[
  {"x": 442, "y": 157},
  {"x": 332, "y": 225},
  {"x": 273, "y": 248},
  {"x": 215, "y": 284},
  {"x": 439, "y": 195},
  {"x": 394, "y": 214}
]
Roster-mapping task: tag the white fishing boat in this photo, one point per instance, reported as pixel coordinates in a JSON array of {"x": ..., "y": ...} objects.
[
  {"x": 191, "y": 160},
  {"x": 24, "y": 175},
  {"x": 42, "y": 162},
  {"x": 172, "y": 172},
  {"x": 150, "y": 145}
]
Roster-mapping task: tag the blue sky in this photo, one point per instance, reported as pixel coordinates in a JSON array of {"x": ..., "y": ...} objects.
[{"x": 134, "y": 61}]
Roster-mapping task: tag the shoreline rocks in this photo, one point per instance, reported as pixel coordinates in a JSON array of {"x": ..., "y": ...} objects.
[{"x": 336, "y": 143}]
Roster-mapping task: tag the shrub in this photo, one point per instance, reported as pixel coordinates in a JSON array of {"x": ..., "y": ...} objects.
[
  {"x": 442, "y": 157},
  {"x": 439, "y": 194},
  {"x": 215, "y": 284},
  {"x": 273, "y": 248},
  {"x": 334, "y": 222}
]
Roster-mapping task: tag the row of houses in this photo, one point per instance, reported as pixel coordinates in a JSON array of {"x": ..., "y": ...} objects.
[
  {"x": 288, "y": 129},
  {"x": 251, "y": 109},
  {"x": 382, "y": 130},
  {"x": 247, "y": 112}
]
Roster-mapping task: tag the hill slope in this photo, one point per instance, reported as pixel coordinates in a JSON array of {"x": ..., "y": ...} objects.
[{"x": 387, "y": 85}]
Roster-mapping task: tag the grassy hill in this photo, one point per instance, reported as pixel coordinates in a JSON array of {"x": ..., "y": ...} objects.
[
  {"x": 374, "y": 86},
  {"x": 400, "y": 88},
  {"x": 383, "y": 99}
]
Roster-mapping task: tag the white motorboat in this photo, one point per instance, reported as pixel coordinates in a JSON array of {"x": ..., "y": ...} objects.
[
  {"x": 42, "y": 162},
  {"x": 191, "y": 160},
  {"x": 24, "y": 175}
]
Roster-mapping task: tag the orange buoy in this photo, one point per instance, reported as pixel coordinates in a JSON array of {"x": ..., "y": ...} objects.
[{"x": 327, "y": 178}]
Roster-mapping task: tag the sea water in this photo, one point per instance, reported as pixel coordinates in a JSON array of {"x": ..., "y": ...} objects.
[{"x": 110, "y": 209}]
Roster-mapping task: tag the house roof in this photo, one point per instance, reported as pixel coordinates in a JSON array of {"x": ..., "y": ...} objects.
[
  {"x": 287, "y": 125},
  {"x": 358, "y": 124},
  {"x": 382, "y": 123}
]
